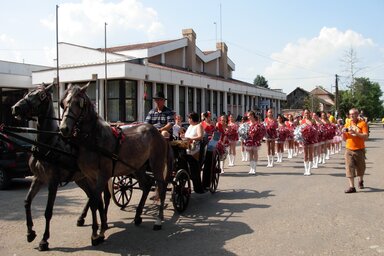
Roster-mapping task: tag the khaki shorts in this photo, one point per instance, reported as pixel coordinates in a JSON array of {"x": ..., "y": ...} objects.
[{"x": 354, "y": 162}]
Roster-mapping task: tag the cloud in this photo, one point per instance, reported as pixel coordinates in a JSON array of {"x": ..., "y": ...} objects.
[
  {"x": 315, "y": 60},
  {"x": 83, "y": 23}
]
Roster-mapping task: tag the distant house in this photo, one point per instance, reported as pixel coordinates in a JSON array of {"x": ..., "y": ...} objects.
[
  {"x": 296, "y": 99},
  {"x": 327, "y": 99}
]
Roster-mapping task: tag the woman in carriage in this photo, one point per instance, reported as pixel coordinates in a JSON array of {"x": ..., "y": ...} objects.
[{"x": 194, "y": 135}]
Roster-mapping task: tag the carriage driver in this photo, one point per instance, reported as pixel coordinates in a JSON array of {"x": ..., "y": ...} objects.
[{"x": 161, "y": 116}]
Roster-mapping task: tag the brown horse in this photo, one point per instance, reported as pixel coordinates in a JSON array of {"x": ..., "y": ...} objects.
[
  {"x": 49, "y": 167},
  {"x": 143, "y": 152}
]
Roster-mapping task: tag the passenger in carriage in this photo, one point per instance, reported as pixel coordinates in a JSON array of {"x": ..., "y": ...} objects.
[
  {"x": 195, "y": 134},
  {"x": 161, "y": 116}
]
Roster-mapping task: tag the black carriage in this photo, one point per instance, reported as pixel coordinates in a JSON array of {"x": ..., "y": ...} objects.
[{"x": 203, "y": 173}]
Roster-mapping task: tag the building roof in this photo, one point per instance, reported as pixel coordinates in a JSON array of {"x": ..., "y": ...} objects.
[{"x": 137, "y": 46}]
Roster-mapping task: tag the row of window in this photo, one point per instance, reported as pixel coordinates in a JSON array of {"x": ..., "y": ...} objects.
[{"x": 122, "y": 99}]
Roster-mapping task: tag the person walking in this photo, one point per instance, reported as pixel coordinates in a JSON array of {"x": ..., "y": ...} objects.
[
  {"x": 243, "y": 134},
  {"x": 354, "y": 134}
]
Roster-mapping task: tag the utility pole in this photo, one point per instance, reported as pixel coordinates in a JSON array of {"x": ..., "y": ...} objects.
[{"x": 336, "y": 95}]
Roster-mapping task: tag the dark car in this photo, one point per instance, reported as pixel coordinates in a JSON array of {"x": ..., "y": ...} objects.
[{"x": 13, "y": 162}]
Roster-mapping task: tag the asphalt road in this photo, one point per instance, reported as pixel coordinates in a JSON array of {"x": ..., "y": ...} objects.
[{"x": 277, "y": 212}]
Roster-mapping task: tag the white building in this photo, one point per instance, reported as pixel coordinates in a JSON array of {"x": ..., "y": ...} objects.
[
  {"x": 191, "y": 79},
  {"x": 15, "y": 80}
]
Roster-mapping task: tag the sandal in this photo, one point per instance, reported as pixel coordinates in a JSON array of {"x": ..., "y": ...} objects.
[{"x": 350, "y": 190}]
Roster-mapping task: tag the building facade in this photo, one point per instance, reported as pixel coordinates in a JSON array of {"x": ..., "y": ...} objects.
[{"x": 124, "y": 78}]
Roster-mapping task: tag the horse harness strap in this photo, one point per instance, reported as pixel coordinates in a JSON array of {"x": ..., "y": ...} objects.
[{"x": 119, "y": 135}]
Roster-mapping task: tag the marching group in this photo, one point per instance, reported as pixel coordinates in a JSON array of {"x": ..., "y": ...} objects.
[{"x": 315, "y": 135}]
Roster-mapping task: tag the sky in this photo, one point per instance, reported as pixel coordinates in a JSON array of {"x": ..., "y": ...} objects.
[{"x": 295, "y": 43}]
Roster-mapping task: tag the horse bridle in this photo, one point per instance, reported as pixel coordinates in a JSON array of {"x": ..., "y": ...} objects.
[
  {"x": 72, "y": 115},
  {"x": 43, "y": 96}
]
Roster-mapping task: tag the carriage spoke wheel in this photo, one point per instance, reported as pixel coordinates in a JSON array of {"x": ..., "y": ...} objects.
[
  {"x": 121, "y": 188},
  {"x": 215, "y": 172},
  {"x": 181, "y": 190}
]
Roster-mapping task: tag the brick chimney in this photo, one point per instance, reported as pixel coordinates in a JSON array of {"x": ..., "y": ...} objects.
[
  {"x": 190, "y": 56},
  {"x": 223, "y": 61}
]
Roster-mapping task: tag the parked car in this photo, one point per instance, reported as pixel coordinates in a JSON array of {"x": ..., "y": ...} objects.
[{"x": 13, "y": 162}]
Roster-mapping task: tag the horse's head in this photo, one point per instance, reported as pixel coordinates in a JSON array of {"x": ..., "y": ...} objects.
[
  {"x": 33, "y": 103},
  {"x": 76, "y": 105}
]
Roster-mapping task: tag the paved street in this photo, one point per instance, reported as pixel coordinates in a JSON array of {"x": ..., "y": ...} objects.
[{"x": 277, "y": 212}]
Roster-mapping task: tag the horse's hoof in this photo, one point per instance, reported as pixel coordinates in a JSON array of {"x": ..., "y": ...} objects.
[
  {"x": 31, "y": 236},
  {"x": 43, "y": 246},
  {"x": 156, "y": 227},
  {"x": 97, "y": 241},
  {"x": 138, "y": 221},
  {"x": 80, "y": 222}
]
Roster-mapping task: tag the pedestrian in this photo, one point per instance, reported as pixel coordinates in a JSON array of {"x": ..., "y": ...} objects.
[
  {"x": 354, "y": 136},
  {"x": 161, "y": 117},
  {"x": 270, "y": 136}
]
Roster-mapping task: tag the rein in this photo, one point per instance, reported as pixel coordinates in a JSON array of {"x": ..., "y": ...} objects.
[{"x": 32, "y": 142}]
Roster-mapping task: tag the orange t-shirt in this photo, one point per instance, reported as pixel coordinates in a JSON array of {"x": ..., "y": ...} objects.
[{"x": 355, "y": 142}]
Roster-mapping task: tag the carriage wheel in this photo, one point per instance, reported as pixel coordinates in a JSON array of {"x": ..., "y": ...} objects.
[
  {"x": 215, "y": 172},
  {"x": 181, "y": 190},
  {"x": 121, "y": 188}
]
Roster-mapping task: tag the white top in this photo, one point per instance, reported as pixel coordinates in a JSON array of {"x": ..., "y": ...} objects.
[{"x": 192, "y": 131}]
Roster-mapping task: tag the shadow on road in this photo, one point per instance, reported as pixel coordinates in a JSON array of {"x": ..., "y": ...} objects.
[{"x": 210, "y": 218}]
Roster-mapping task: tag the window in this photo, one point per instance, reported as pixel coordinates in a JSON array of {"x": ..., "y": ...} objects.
[
  {"x": 207, "y": 100},
  {"x": 169, "y": 96},
  {"x": 147, "y": 97},
  {"x": 190, "y": 100},
  {"x": 182, "y": 102},
  {"x": 122, "y": 101},
  {"x": 198, "y": 101},
  {"x": 214, "y": 110}
]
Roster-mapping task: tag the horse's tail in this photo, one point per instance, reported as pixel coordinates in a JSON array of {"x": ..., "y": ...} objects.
[{"x": 170, "y": 163}]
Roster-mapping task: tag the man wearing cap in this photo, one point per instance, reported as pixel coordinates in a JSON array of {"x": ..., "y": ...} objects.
[{"x": 161, "y": 116}]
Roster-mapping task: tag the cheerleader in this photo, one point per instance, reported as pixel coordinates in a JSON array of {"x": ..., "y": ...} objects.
[
  {"x": 282, "y": 133},
  {"x": 233, "y": 137},
  {"x": 221, "y": 126},
  {"x": 317, "y": 145},
  {"x": 328, "y": 128},
  {"x": 255, "y": 134},
  {"x": 243, "y": 134},
  {"x": 290, "y": 124},
  {"x": 208, "y": 124},
  {"x": 307, "y": 133},
  {"x": 271, "y": 135}
]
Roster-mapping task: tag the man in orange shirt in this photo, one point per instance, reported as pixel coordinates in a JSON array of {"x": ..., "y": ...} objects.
[{"x": 355, "y": 133}]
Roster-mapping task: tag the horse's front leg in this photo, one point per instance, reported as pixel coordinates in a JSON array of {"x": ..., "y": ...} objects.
[
  {"x": 97, "y": 204},
  {"x": 33, "y": 190},
  {"x": 52, "y": 192}
]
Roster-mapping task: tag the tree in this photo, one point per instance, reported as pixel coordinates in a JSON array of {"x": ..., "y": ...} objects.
[
  {"x": 312, "y": 103},
  {"x": 350, "y": 62},
  {"x": 363, "y": 95},
  {"x": 260, "y": 81}
]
